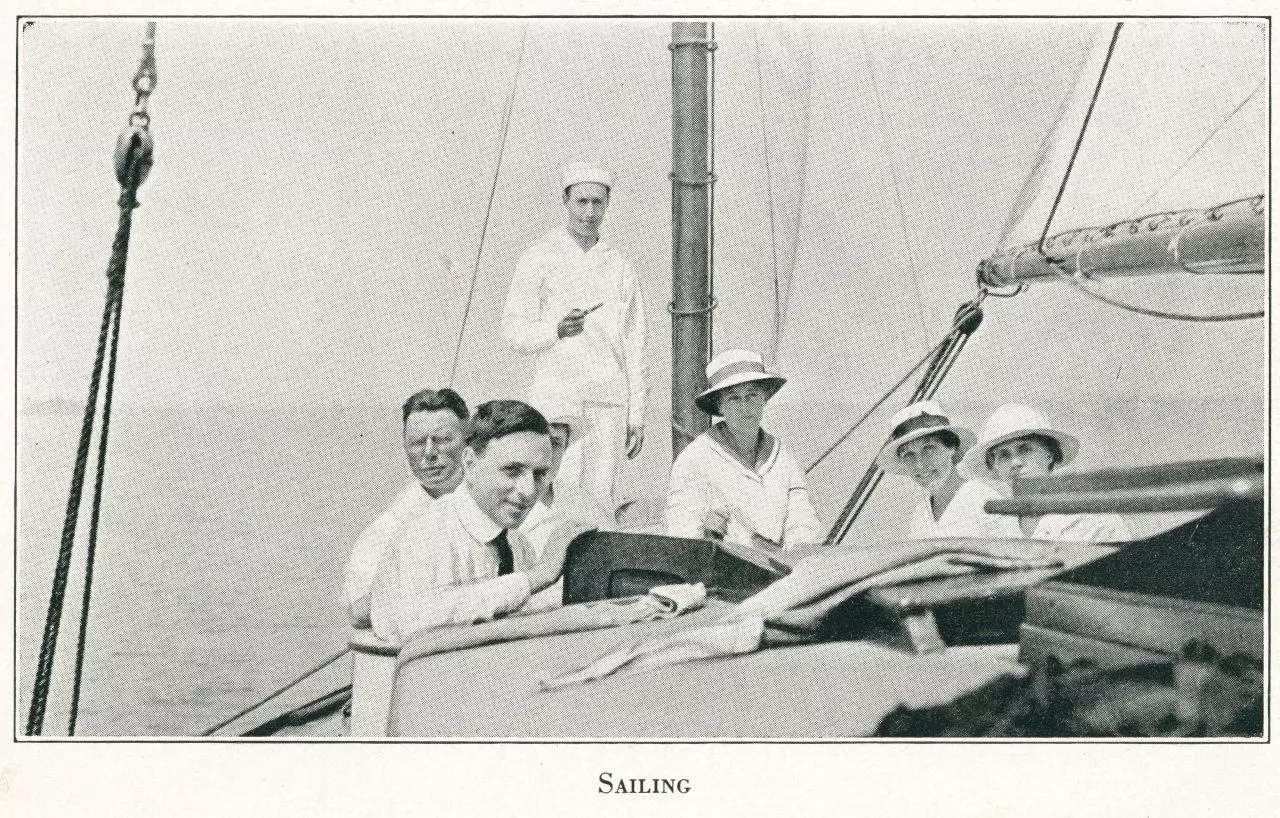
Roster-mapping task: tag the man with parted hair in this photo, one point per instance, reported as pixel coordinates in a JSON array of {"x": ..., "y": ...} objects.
[
  {"x": 463, "y": 561},
  {"x": 434, "y": 434}
]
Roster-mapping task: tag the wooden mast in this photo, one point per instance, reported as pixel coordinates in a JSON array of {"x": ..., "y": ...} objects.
[{"x": 691, "y": 181}]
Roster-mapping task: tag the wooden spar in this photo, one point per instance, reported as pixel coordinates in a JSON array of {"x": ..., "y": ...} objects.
[
  {"x": 691, "y": 182},
  {"x": 1234, "y": 243}
]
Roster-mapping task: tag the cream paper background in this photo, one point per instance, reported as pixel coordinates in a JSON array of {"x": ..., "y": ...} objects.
[{"x": 193, "y": 778}]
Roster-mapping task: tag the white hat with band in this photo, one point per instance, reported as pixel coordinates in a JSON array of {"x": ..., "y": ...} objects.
[
  {"x": 926, "y": 417},
  {"x": 732, "y": 367}
]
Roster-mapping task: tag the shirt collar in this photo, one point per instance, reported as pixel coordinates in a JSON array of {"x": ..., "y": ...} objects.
[
  {"x": 567, "y": 239},
  {"x": 474, "y": 521},
  {"x": 769, "y": 445}
]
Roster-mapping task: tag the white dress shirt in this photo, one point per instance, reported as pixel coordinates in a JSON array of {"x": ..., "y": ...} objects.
[
  {"x": 964, "y": 516},
  {"x": 377, "y": 537},
  {"x": 605, "y": 363},
  {"x": 771, "y": 499},
  {"x": 443, "y": 570}
]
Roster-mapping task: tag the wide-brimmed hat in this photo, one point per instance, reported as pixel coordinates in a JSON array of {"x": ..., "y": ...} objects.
[
  {"x": 926, "y": 417},
  {"x": 732, "y": 367},
  {"x": 585, "y": 172},
  {"x": 1011, "y": 421}
]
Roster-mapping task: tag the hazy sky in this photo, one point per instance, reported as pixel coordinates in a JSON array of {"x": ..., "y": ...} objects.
[{"x": 312, "y": 221}]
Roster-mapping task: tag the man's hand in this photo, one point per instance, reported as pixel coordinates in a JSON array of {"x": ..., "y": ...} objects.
[
  {"x": 572, "y": 323},
  {"x": 715, "y": 524},
  {"x": 635, "y": 441},
  {"x": 549, "y": 569}
]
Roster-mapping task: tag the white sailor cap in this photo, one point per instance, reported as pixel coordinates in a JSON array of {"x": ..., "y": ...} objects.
[{"x": 585, "y": 172}]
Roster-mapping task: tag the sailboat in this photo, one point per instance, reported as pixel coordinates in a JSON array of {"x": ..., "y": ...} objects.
[{"x": 890, "y": 162}]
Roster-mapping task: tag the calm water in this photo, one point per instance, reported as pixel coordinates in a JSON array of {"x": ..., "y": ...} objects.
[{"x": 224, "y": 532}]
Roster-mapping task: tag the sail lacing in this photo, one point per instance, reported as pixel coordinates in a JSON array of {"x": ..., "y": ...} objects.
[
  {"x": 133, "y": 157},
  {"x": 493, "y": 189}
]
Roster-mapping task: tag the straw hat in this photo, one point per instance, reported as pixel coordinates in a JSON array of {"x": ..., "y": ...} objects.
[
  {"x": 927, "y": 417},
  {"x": 732, "y": 367},
  {"x": 1013, "y": 420},
  {"x": 585, "y": 172}
]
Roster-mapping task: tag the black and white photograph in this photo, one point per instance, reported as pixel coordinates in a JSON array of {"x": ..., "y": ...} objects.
[{"x": 775, "y": 384}]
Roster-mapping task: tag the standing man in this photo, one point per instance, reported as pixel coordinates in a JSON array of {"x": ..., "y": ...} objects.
[
  {"x": 434, "y": 434},
  {"x": 463, "y": 561},
  {"x": 576, "y": 304}
]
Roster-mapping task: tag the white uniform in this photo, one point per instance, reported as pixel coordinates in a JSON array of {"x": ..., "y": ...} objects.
[
  {"x": 964, "y": 516},
  {"x": 771, "y": 500},
  {"x": 602, "y": 370}
]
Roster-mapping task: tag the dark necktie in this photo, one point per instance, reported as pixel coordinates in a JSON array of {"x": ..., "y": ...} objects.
[{"x": 506, "y": 560}]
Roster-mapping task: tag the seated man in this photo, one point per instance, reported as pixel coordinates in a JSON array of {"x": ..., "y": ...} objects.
[
  {"x": 562, "y": 502},
  {"x": 462, "y": 562},
  {"x": 434, "y": 436}
]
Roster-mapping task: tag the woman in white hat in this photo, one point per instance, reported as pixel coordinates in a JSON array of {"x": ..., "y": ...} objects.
[
  {"x": 1017, "y": 441},
  {"x": 925, "y": 446},
  {"x": 736, "y": 481}
]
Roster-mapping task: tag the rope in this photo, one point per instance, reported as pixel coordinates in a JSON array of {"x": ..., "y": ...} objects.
[
  {"x": 768, "y": 180},
  {"x": 1172, "y": 316},
  {"x": 897, "y": 192},
  {"x": 132, "y": 160},
  {"x": 1088, "y": 114},
  {"x": 335, "y": 657},
  {"x": 53, "y": 616},
  {"x": 1200, "y": 147},
  {"x": 91, "y": 548},
  {"x": 493, "y": 189}
]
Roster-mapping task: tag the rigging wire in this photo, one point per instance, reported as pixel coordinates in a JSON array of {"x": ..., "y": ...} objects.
[
  {"x": 931, "y": 375},
  {"x": 314, "y": 670},
  {"x": 897, "y": 191},
  {"x": 804, "y": 163},
  {"x": 768, "y": 179},
  {"x": 493, "y": 189},
  {"x": 928, "y": 356},
  {"x": 711, "y": 191},
  {"x": 1172, "y": 316},
  {"x": 1072, "y": 280},
  {"x": 92, "y": 545},
  {"x": 1084, "y": 127},
  {"x": 1206, "y": 141}
]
